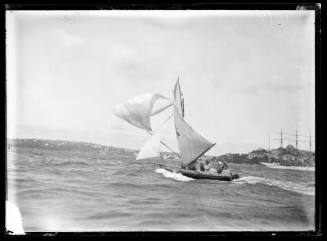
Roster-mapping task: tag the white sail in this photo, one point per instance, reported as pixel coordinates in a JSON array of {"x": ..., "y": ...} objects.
[
  {"x": 150, "y": 149},
  {"x": 191, "y": 144},
  {"x": 137, "y": 110},
  {"x": 178, "y": 98}
]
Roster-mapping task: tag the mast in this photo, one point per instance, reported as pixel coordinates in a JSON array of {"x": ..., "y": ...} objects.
[
  {"x": 297, "y": 152},
  {"x": 310, "y": 142},
  {"x": 149, "y": 132},
  {"x": 269, "y": 148},
  {"x": 182, "y": 100},
  {"x": 296, "y": 141},
  {"x": 281, "y": 139},
  {"x": 191, "y": 144},
  {"x": 281, "y": 145}
]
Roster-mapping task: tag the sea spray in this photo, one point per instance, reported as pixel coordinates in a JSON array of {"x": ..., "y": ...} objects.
[
  {"x": 173, "y": 175},
  {"x": 286, "y": 185}
]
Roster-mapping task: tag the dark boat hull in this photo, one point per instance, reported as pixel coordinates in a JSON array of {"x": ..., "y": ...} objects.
[{"x": 201, "y": 175}]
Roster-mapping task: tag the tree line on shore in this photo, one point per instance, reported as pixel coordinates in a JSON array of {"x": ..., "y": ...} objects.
[{"x": 289, "y": 156}]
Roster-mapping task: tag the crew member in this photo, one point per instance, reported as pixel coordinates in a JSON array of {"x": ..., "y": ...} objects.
[{"x": 220, "y": 166}]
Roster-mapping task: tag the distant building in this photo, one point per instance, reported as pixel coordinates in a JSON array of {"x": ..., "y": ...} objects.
[
  {"x": 290, "y": 148},
  {"x": 275, "y": 154},
  {"x": 259, "y": 153},
  {"x": 288, "y": 157},
  {"x": 229, "y": 156},
  {"x": 302, "y": 159},
  {"x": 251, "y": 155}
]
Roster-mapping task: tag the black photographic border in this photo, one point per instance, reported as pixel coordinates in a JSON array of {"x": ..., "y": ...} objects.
[{"x": 319, "y": 123}]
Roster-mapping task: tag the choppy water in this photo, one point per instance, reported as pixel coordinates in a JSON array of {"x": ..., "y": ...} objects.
[
  {"x": 66, "y": 191},
  {"x": 277, "y": 166}
]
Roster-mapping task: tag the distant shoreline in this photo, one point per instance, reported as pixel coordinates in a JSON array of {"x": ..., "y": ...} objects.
[{"x": 285, "y": 157}]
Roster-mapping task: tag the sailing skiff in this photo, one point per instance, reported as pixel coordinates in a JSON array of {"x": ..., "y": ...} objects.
[
  {"x": 201, "y": 175},
  {"x": 138, "y": 112}
]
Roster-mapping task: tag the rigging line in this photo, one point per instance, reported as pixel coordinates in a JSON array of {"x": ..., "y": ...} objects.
[
  {"x": 164, "y": 122},
  {"x": 164, "y": 144},
  {"x": 163, "y": 108}
]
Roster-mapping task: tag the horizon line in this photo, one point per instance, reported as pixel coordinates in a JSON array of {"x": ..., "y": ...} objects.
[{"x": 94, "y": 143}]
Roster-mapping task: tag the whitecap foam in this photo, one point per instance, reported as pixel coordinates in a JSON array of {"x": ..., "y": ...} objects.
[
  {"x": 248, "y": 180},
  {"x": 277, "y": 166},
  {"x": 286, "y": 185},
  {"x": 173, "y": 175}
]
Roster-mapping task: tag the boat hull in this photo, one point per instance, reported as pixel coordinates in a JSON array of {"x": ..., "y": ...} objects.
[{"x": 200, "y": 175}]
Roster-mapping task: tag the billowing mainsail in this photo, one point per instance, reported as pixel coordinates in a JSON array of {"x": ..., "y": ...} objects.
[
  {"x": 191, "y": 144},
  {"x": 151, "y": 148},
  {"x": 137, "y": 110}
]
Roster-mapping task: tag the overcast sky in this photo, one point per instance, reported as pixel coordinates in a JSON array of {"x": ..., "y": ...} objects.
[{"x": 244, "y": 74}]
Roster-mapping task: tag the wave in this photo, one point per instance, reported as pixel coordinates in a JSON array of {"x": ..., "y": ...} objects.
[
  {"x": 109, "y": 215},
  {"x": 277, "y": 166},
  {"x": 123, "y": 184},
  {"x": 174, "y": 175},
  {"x": 286, "y": 185},
  {"x": 70, "y": 163}
]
